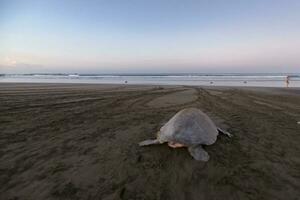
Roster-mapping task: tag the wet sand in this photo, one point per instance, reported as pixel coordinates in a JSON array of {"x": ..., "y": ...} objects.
[{"x": 72, "y": 141}]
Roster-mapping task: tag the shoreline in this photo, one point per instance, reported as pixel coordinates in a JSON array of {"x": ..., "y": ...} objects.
[
  {"x": 248, "y": 80},
  {"x": 141, "y": 85},
  {"x": 275, "y": 90}
]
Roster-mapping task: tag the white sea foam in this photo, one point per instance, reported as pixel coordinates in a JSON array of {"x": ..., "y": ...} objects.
[{"x": 258, "y": 80}]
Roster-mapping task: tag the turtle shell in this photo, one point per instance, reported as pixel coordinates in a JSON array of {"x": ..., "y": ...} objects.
[{"x": 190, "y": 127}]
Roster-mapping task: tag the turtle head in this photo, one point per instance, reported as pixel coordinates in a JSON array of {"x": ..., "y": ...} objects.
[{"x": 162, "y": 138}]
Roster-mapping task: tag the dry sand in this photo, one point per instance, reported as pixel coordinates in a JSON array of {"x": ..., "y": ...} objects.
[{"x": 68, "y": 141}]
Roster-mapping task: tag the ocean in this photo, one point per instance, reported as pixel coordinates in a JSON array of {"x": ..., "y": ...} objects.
[{"x": 201, "y": 79}]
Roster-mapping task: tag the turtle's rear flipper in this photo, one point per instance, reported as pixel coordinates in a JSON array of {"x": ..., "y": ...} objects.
[
  {"x": 149, "y": 142},
  {"x": 224, "y": 132},
  {"x": 199, "y": 153}
]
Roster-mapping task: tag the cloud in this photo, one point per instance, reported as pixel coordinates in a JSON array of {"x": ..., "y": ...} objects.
[{"x": 13, "y": 66}]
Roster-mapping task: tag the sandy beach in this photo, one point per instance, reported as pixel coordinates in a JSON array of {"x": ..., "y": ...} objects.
[{"x": 80, "y": 141}]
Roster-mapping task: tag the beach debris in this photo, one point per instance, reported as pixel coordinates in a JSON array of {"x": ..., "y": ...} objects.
[{"x": 189, "y": 128}]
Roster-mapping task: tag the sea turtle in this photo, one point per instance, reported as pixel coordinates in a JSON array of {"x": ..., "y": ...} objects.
[{"x": 189, "y": 128}]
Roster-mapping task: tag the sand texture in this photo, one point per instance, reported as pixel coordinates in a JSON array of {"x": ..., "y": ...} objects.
[{"x": 68, "y": 141}]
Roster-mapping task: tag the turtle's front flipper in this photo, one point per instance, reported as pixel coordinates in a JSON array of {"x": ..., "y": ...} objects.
[
  {"x": 199, "y": 153},
  {"x": 149, "y": 142},
  {"x": 224, "y": 132}
]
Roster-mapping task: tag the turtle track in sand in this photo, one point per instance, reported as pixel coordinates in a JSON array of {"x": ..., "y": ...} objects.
[{"x": 256, "y": 129}]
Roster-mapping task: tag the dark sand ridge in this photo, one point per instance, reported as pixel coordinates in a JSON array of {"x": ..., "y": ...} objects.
[{"x": 71, "y": 141}]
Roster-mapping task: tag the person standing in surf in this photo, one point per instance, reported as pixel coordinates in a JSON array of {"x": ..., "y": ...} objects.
[{"x": 287, "y": 81}]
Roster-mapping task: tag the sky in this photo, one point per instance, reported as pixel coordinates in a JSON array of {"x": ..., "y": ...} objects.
[{"x": 149, "y": 36}]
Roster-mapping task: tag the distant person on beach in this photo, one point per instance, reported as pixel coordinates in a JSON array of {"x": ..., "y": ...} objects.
[{"x": 287, "y": 81}]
